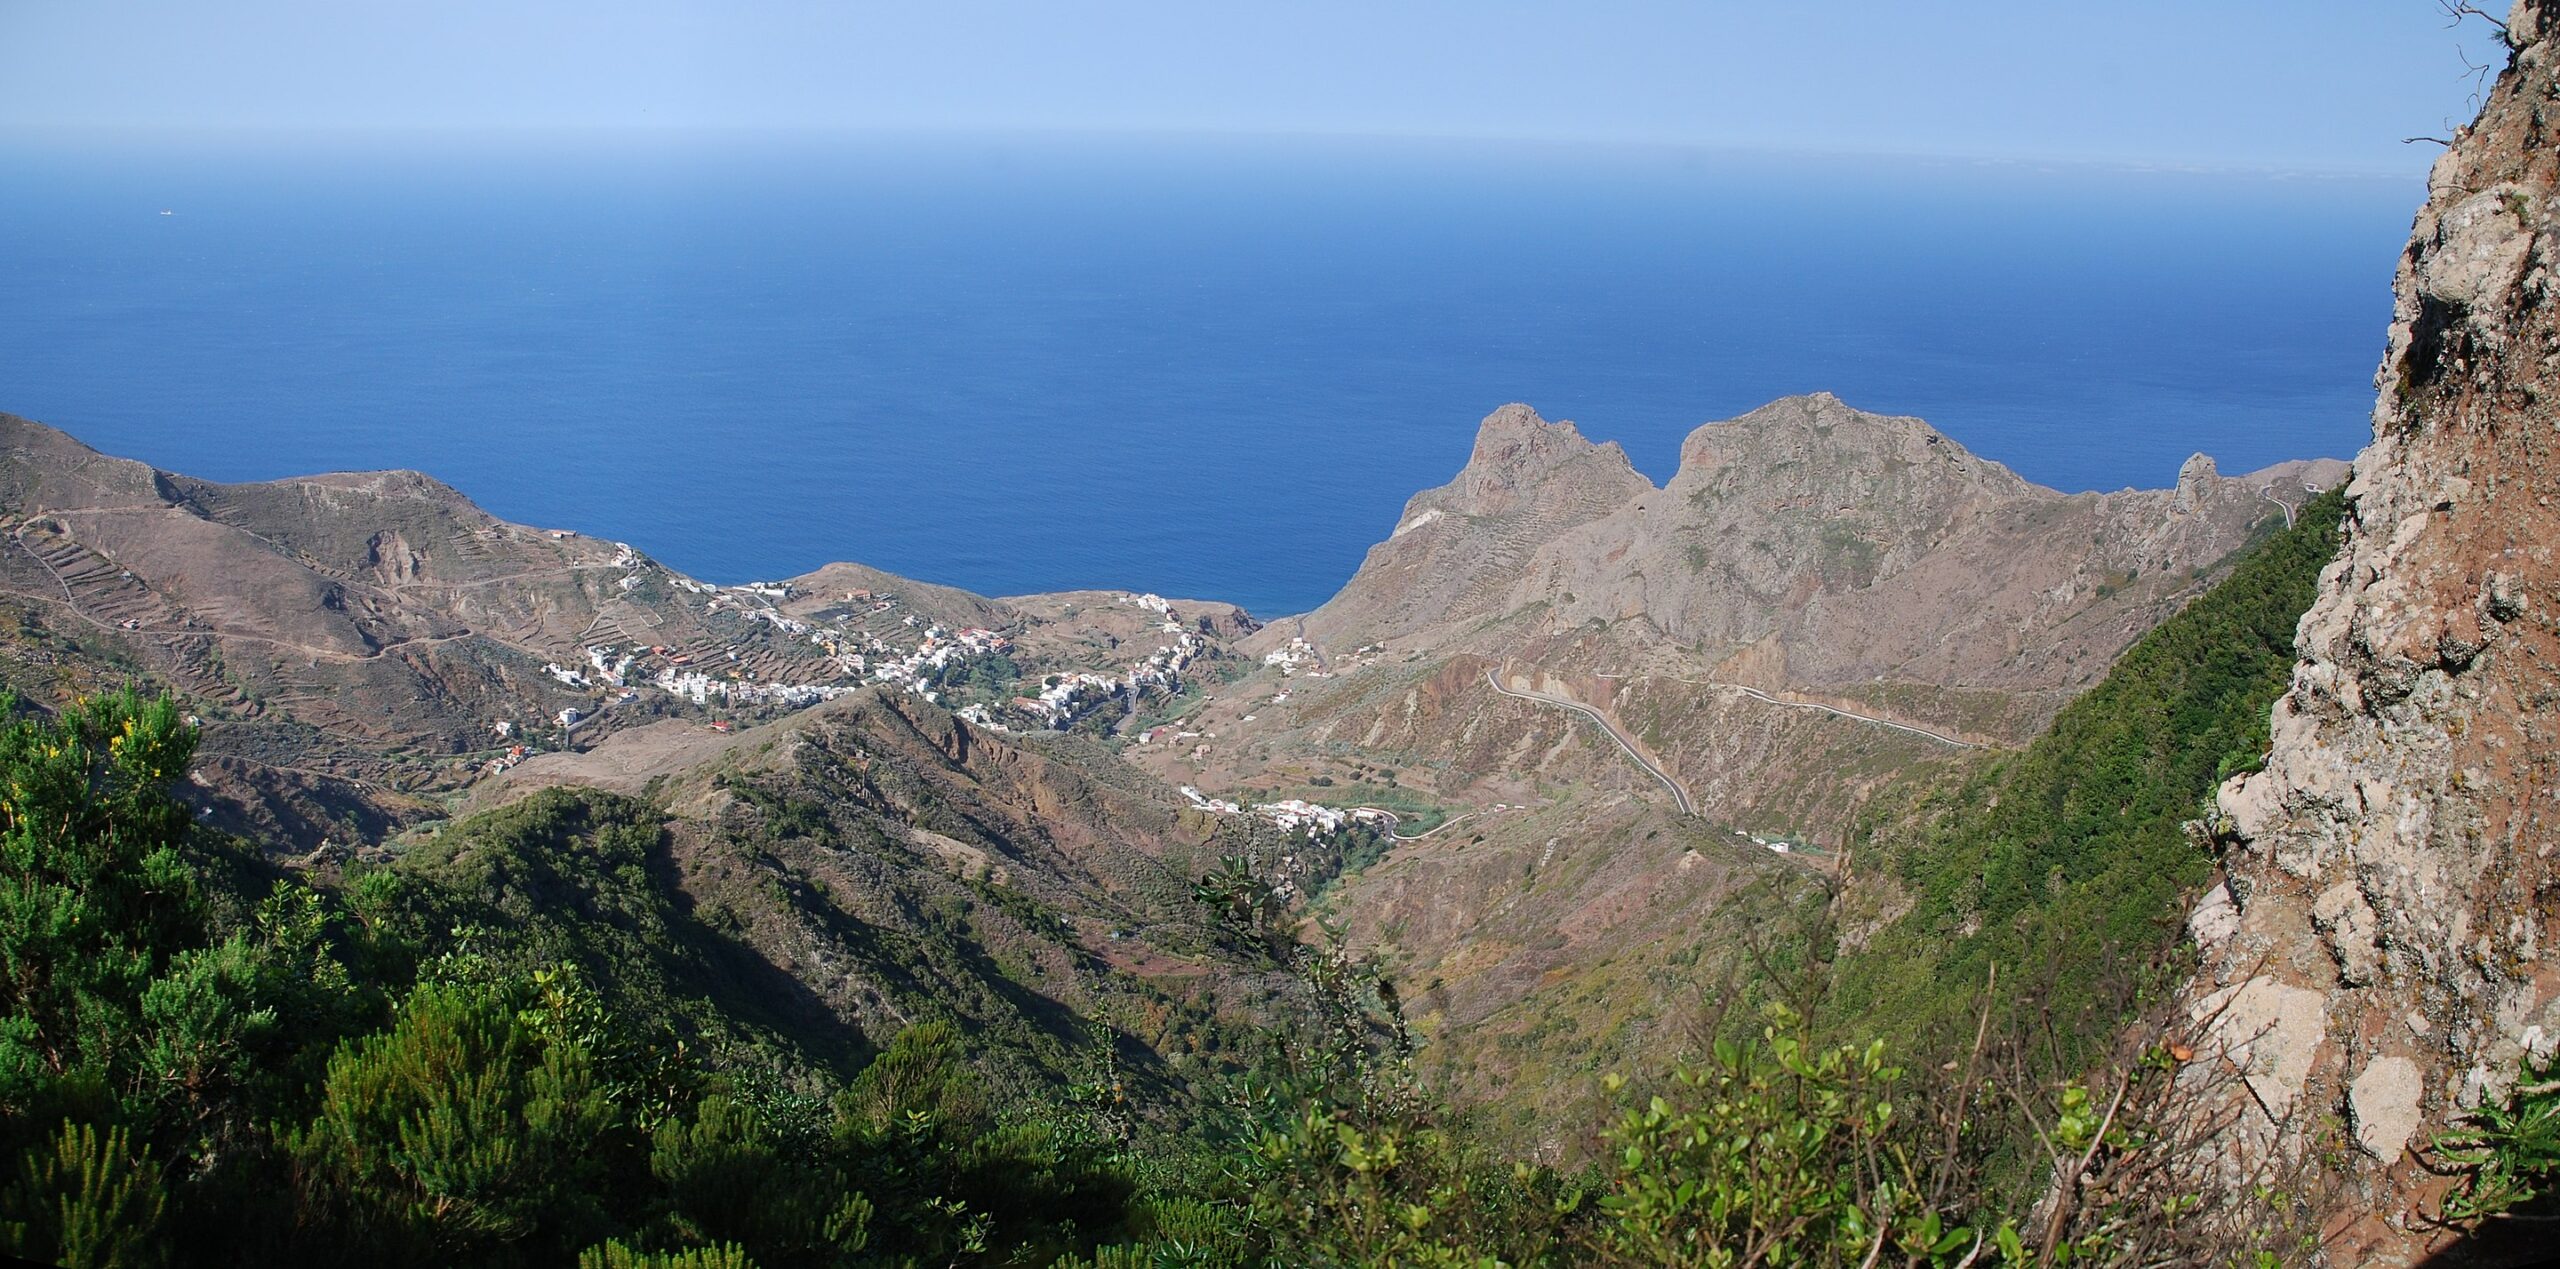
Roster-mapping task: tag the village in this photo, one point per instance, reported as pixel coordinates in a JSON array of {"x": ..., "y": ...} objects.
[
  {"x": 1065, "y": 698},
  {"x": 856, "y": 638},
  {"x": 1294, "y": 815}
]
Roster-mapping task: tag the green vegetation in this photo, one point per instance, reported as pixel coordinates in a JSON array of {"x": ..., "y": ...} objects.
[
  {"x": 2510, "y": 1154},
  {"x": 500, "y": 1056},
  {"x": 990, "y": 677},
  {"x": 2067, "y": 865},
  {"x": 524, "y": 1044},
  {"x": 516, "y": 1049}
]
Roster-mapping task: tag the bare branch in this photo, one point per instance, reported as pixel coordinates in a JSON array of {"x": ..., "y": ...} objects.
[{"x": 2456, "y": 12}]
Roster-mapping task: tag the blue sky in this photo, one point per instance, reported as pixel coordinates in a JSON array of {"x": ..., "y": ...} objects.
[{"x": 2306, "y": 84}]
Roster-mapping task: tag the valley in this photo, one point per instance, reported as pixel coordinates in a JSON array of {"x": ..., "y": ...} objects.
[
  {"x": 1820, "y": 846},
  {"x": 1568, "y": 729}
]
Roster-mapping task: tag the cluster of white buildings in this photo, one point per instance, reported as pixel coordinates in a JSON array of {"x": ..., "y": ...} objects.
[
  {"x": 857, "y": 654},
  {"x": 1064, "y": 698},
  {"x": 1296, "y": 657},
  {"x": 920, "y": 666},
  {"x": 702, "y": 689},
  {"x": 1163, "y": 667},
  {"x": 1778, "y": 844},
  {"x": 678, "y": 678},
  {"x": 1291, "y": 815},
  {"x": 610, "y": 663},
  {"x": 863, "y": 657}
]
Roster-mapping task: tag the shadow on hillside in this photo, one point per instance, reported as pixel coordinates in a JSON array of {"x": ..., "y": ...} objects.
[
  {"x": 745, "y": 981},
  {"x": 2526, "y": 1238}
]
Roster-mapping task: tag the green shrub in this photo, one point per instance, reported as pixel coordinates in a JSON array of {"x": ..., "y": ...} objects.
[
  {"x": 460, "y": 1131},
  {"x": 615, "y": 1254},
  {"x": 2067, "y": 865},
  {"x": 95, "y": 896},
  {"x": 84, "y": 1200},
  {"x": 730, "y": 1178},
  {"x": 2510, "y": 1151}
]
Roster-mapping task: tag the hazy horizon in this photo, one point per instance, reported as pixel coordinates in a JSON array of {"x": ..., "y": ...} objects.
[
  {"x": 1030, "y": 366},
  {"x": 2290, "y": 85}
]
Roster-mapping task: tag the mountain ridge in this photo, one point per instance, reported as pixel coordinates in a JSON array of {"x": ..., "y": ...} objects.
[
  {"x": 1540, "y": 515},
  {"x": 447, "y": 619}
]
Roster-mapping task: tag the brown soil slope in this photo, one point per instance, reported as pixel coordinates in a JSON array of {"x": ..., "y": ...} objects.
[{"x": 360, "y": 646}]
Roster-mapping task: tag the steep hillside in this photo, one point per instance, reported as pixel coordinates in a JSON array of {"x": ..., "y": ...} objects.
[
  {"x": 361, "y": 647},
  {"x": 882, "y": 863},
  {"x": 2377, "y": 958},
  {"x": 1597, "y": 720},
  {"x": 1819, "y": 599},
  {"x": 2067, "y": 865}
]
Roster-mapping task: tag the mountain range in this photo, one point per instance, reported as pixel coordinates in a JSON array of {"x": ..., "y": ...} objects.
[
  {"x": 2247, "y": 776},
  {"x": 1548, "y": 668}
]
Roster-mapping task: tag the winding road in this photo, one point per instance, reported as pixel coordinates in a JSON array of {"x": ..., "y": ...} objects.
[
  {"x": 1395, "y": 823},
  {"x": 2268, "y": 492},
  {"x": 1625, "y": 745}
]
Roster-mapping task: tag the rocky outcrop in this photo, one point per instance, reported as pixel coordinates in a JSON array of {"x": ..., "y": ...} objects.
[
  {"x": 1806, "y": 544},
  {"x": 1456, "y": 551},
  {"x": 2390, "y": 882}
]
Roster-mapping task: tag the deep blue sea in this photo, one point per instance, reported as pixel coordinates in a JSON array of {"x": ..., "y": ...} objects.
[{"x": 1213, "y": 369}]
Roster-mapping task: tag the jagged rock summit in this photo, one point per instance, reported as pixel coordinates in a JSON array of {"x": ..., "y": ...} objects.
[
  {"x": 1805, "y": 542},
  {"x": 1454, "y": 547}
]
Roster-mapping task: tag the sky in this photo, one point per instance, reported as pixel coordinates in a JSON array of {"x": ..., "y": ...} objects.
[{"x": 2315, "y": 85}]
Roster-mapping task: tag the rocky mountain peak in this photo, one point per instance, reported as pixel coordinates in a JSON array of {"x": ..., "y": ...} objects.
[
  {"x": 1819, "y": 439},
  {"x": 2195, "y": 476},
  {"x": 1456, "y": 549},
  {"x": 1852, "y": 548},
  {"x": 1516, "y": 451},
  {"x": 1515, "y": 437},
  {"x": 1813, "y": 449}
]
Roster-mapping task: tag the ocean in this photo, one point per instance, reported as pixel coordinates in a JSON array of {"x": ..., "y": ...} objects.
[{"x": 1204, "y": 368}]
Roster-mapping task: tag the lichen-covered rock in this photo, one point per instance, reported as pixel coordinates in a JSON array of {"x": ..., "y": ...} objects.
[
  {"x": 2272, "y": 1032},
  {"x": 2394, "y": 859},
  {"x": 2385, "y": 1102}
]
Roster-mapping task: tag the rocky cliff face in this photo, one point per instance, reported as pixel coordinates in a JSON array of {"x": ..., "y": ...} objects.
[
  {"x": 1457, "y": 550},
  {"x": 2378, "y": 957}
]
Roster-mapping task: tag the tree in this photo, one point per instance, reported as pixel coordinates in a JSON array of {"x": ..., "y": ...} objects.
[
  {"x": 461, "y": 1130},
  {"x": 94, "y": 895}
]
